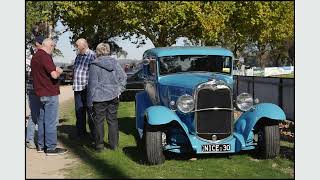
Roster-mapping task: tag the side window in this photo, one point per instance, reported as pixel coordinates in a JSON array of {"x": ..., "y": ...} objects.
[
  {"x": 150, "y": 66},
  {"x": 153, "y": 66}
]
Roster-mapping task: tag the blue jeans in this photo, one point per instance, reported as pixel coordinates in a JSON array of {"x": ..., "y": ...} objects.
[
  {"x": 34, "y": 106},
  {"x": 47, "y": 125},
  {"x": 80, "y": 99}
]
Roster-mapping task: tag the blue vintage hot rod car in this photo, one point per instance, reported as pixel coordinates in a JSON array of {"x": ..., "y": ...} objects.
[{"x": 187, "y": 106}]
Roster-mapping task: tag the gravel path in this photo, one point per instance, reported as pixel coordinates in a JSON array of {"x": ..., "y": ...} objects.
[{"x": 38, "y": 165}]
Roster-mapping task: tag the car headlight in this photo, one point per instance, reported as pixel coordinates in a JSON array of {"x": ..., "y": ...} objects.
[
  {"x": 185, "y": 103},
  {"x": 244, "y": 101}
]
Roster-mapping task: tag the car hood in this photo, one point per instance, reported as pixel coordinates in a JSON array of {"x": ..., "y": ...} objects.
[
  {"x": 174, "y": 85},
  {"x": 190, "y": 80}
]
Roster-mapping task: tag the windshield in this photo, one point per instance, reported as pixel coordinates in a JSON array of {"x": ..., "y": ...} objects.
[{"x": 212, "y": 63}]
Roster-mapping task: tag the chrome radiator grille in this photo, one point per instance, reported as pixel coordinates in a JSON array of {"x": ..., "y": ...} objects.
[{"x": 213, "y": 113}]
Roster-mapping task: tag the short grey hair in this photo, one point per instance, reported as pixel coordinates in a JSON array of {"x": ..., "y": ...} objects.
[
  {"x": 47, "y": 42},
  {"x": 82, "y": 41},
  {"x": 103, "y": 49}
]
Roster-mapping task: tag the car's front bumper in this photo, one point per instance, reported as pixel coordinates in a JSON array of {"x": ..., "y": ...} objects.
[{"x": 232, "y": 144}]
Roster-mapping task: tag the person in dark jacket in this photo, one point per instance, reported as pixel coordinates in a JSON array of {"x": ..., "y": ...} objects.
[{"x": 107, "y": 80}]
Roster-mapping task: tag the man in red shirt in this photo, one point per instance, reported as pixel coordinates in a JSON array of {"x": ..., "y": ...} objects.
[
  {"x": 45, "y": 82},
  {"x": 34, "y": 101}
]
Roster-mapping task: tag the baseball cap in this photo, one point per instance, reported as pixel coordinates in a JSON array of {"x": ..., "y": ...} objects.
[{"x": 39, "y": 39}]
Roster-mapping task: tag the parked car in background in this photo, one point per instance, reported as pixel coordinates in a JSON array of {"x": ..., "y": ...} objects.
[
  {"x": 187, "y": 106},
  {"x": 66, "y": 77},
  {"x": 135, "y": 84}
]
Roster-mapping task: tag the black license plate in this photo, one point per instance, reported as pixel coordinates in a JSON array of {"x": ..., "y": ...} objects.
[{"x": 216, "y": 147}]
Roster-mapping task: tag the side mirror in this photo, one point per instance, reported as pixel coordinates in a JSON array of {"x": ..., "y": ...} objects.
[
  {"x": 149, "y": 68},
  {"x": 145, "y": 62},
  {"x": 146, "y": 74}
]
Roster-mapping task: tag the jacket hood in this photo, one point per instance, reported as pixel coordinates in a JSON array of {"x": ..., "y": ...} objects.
[{"x": 105, "y": 62}]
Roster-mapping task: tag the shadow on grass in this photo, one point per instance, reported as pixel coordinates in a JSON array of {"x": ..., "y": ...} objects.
[
  {"x": 105, "y": 169},
  {"x": 135, "y": 154},
  {"x": 127, "y": 125},
  {"x": 286, "y": 152},
  {"x": 139, "y": 156}
]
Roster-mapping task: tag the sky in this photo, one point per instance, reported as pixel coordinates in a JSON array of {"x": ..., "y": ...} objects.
[{"x": 133, "y": 52}]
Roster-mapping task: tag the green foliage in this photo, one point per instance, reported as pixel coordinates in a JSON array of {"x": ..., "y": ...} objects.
[
  {"x": 253, "y": 24},
  {"x": 41, "y": 18},
  {"x": 262, "y": 27},
  {"x": 96, "y": 21},
  {"x": 212, "y": 20},
  {"x": 256, "y": 27},
  {"x": 161, "y": 22}
]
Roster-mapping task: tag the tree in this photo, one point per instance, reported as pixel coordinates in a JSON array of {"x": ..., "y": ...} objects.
[
  {"x": 95, "y": 21},
  {"x": 265, "y": 27},
  {"x": 161, "y": 22},
  {"x": 41, "y": 19},
  {"x": 244, "y": 27},
  {"x": 211, "y": 20}
]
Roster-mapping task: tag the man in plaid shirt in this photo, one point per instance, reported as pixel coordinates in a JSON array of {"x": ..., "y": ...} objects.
[{"x": 80, "y": 82}]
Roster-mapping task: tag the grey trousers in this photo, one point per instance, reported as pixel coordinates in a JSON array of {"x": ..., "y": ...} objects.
[{"x": 101, "y": 111}]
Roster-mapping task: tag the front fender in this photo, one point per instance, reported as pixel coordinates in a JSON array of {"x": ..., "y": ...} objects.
[
  {"x": 161, "y": 115},
  {"x": 142, "y": 103},
  {"x": 248, "y": 120}
]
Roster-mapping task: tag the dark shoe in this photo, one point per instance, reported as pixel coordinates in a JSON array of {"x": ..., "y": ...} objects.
[
  {"x": 113, "y": 148},
  {"x": 56, "y": 151},
  {"x": 40, "y": 149},
  {"x": 91, "y": 137},
  {"x": 77, "y": 138},
  {"x": 31, "y": 145},
  {"x": 100, "y": 147}
]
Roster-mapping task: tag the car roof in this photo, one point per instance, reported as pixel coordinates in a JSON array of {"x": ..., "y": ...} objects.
[{"x": 188, "y": 50}]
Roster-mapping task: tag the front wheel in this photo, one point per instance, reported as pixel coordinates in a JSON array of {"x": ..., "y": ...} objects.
[
  {"x": 154, "y": 147},
  {"x": 269, "y": 141}
]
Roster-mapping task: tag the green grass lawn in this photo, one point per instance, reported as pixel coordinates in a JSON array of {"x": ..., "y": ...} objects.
[
  {"x": 127, "y": 161},
  {"x": 285, "y": 76}
]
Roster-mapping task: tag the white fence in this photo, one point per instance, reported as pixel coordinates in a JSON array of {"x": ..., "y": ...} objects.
[{"x": 268, "y": 71}]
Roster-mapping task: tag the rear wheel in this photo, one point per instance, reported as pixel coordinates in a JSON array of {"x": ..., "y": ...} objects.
[
  {"x": 154, "y": 147},
  {"x": 269, "y": 141}
]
